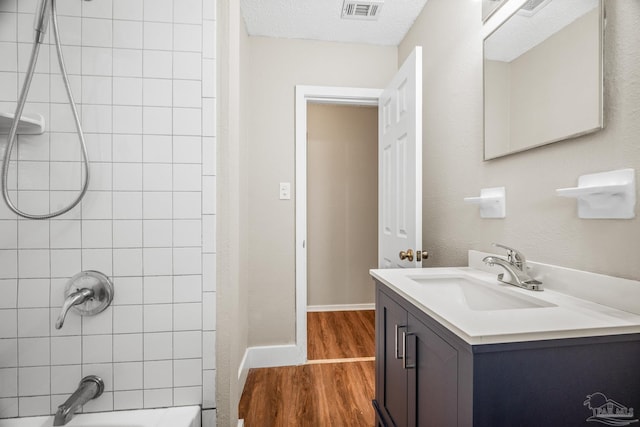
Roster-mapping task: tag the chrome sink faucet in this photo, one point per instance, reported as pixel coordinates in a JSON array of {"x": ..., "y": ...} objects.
[
  {"x": 516, "y": 266},
  {"x": 91, "y": 387}
]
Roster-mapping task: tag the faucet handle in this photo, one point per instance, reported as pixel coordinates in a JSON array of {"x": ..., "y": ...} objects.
[
  {"x": 87, "y": 293},
  {"x": 72, "y": 299},
  {"x": 514, "y": 256}
]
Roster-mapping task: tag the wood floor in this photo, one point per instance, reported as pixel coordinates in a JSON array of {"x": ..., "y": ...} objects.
[
  {"x": 319, "y": 394},
  {"x": 341, "y": 334}
]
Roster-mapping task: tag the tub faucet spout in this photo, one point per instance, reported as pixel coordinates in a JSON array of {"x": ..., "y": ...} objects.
[{"x": 91, "y": 387}]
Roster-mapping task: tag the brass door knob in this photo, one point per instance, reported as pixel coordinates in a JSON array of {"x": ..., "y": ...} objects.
[
  {"x": 408, "y": 255},
  {"x": 421, "y": 255}
]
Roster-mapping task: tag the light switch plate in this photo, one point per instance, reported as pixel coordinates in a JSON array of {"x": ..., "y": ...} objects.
[{"x": 285, "y": 191}]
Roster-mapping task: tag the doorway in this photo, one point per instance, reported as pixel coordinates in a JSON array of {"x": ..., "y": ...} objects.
[
  {"x": 306, "y": 95},
  {"x": 342, "y": 206},
  {"x": 342, "y": 222}
]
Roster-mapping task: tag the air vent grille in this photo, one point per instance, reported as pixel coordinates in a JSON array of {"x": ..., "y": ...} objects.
[{"x": 365, "y": 10}]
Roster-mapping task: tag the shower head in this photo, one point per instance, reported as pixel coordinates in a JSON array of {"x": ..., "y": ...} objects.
[{"x": 43, "y": 14}]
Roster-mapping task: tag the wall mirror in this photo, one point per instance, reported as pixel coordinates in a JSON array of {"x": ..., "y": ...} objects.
[
  {"x": 543, "y": 77},
  {"x": 489, "y": 7}
]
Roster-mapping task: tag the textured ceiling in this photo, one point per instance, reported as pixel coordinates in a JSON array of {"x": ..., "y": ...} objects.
[{"x": 320, "y": 20}]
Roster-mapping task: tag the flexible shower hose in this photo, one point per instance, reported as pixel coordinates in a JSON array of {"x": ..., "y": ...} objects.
[{"x": 20, "y": 107}]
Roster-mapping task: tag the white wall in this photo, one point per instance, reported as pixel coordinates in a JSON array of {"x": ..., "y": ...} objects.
[
  {"x": 277, "y": 65},
  {"x": 143, "y": 74},
  {"x": 545, "y": 227},
  {"x": 232, "y": 299}
]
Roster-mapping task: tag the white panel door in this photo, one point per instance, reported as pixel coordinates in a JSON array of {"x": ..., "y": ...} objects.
[{"x": 400, "y": 166}]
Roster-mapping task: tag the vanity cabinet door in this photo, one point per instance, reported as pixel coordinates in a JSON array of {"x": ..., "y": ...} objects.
[
  {"x": 391, "y": 377},
  {"x": 432, "y": 367},
  {"x": 416, "y": 369}
]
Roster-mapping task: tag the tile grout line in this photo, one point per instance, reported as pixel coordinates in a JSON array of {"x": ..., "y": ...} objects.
[
  {"x": 82, "y": 337},
  {"x": 17, "y": 236},
  {"x": 173, "y": 210},
  {"x": 113, "y": 266},
  {"x": 202, "y": 225},
  {"x": 142, "y": 250}
]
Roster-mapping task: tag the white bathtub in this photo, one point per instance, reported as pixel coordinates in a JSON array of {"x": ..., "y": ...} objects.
[{"x": 185, "y": 416}]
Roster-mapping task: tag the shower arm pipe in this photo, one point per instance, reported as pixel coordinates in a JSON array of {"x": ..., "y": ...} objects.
[{"x": 19, "y": 109}]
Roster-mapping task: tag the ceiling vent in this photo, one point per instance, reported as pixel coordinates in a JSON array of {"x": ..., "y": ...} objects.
[
  {"x": 531, "y": 7},
  {"x": 363, "y": 10}
]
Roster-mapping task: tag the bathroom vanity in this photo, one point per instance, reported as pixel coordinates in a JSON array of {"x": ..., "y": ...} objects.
[{"x": 454, "y": 347}]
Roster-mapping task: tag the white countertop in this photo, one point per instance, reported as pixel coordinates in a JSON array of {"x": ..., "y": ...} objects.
[{"x": 566, "y": 317}]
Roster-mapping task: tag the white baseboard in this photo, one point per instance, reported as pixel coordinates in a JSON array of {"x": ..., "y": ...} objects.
[
  {"x": 268, "y": 357},
  {"x": 243, "y": 371},
  {"x": 274, "y": 355},
  {"x": 341, "y": 307},
  {"x": 240, "y": 423}
]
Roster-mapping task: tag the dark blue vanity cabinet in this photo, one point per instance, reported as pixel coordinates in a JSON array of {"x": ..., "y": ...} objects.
[
  {"x": 416, "y": 368},
  {"x": 426, "y": 376}
]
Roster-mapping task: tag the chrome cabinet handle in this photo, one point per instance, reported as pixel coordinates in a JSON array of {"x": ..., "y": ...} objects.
[
  {"x": 398, "y": 327},
  {"x": 404, "y": 351}
]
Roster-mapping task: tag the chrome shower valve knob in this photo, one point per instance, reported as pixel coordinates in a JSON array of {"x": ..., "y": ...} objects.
[{"x": 87, "y": 293}]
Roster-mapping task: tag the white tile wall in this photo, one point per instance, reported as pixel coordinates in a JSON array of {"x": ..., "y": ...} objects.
[{"x": 143, "y": 74}]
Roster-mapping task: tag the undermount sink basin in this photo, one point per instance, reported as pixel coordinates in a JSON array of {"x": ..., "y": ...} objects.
[{"x": 480, "y": 296}]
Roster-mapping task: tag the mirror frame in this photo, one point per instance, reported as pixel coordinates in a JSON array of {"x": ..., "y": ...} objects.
[{"x": 602, "y": 21}]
